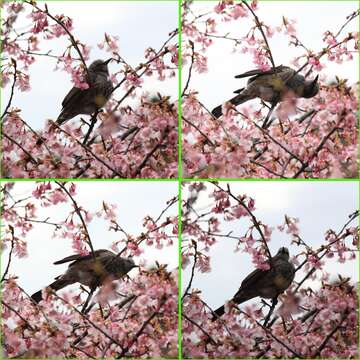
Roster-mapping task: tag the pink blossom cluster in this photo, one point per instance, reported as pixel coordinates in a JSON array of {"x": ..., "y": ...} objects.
[
  {"x": 63, "y": 156},
  {"x": 199, "y": 236},
  {"x": 22, "y": 47},
  {"x": 55, "y": 329},
  {"x": 311, "y": 316},
  {"x": 227, "y": 148},
  {"x": 111, "y": 43},
  {"x": 163, "y": 64},
  {"x": 20, "y": 219}
]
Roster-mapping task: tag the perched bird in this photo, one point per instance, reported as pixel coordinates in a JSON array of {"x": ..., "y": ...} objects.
[
  {"x": 87, "y": 101},
  {"x": 271, "y": 86},
  {"x": 91, "y": 272},
  {"x": 268, "y": 284}
]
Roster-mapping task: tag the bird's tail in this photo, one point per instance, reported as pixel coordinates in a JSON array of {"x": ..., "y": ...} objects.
[
  {"x": 236, "y": 299},
  {"x": 219, "y": 312},
  {"x": 56, "y": 285},
  {"x": 62, "y": 118},
  {"x": 236, "y": 100}
]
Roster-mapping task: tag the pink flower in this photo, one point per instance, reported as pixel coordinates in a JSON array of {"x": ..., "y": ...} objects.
[
  {"x": 58, "y": 196},
  {"x": 238, "y": 11},
  {"x": 23, "y": 81},
  {"x": 220, "y": 7}
]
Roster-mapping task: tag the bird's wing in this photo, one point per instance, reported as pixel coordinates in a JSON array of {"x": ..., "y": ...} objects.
[
  {"x": 250, "y": 73},
  {"x": 78, "y": 257},
  {"x": 257, "y": 274},
  {"x": 72, "y": 95},
  {"x": 238, "y": 91},
  {"x": 249, "y": 282},
  {"x": 75, "y": 94},
  {"x": 252, "y": 278},
  {"x": 258, "y": 72}
]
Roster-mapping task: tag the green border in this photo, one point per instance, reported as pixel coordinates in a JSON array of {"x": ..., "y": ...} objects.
[{"x": 179, "y": 180}]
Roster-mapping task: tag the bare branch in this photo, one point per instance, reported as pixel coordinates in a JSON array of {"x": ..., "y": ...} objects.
[
  {"x": 12, "y": 91},
  {"x": 78, "y": 212},
  {"x": 259, "y": 26}
]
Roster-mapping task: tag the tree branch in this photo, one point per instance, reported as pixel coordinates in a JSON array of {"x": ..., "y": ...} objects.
[
  {"x": 12, "y": 91},
  {"x": 10, "y": 254},
  {"x": 258, "y": 25},
  {"x": 78, "y": 212},
  {"x": 30, "y": 157}
]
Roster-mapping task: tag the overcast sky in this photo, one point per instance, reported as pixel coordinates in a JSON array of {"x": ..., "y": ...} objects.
[
  {"x": 319, "y": 207},
  {"x": 313, "y": 19},
  {"x": 138, "y": 24},
  {"x": 134, "y": 201}
]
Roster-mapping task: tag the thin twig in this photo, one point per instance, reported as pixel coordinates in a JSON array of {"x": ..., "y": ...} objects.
[
  {"x": 31, "y": 158},
  {"x": 337, "y": 238},
  {"x": 259, "y": 26},
  {"x": 140, "y": 331},
  {"x": 329, "y": 336},
  {"x": 200, "y": 327},
  {"x": 78, "y": 212},
  {"x": 87, "y": 149},
  {"x": 253, "y": 217},
  {"x": 93, "y": 121},
  {"x": 192, "y": 271},
  {"x": 151, "y": 152},
  {"x": 72, "y": 39},
  {"x": 12, "y": 91},
  {"x": 10, "y": 253},
  {"x": 89, "y": 321},
  {"x": 316, "y": 151},
  {"x": 18, "y": 314},
  {"x": 190, "y": 68},
  {"x": 199, "y": 130}
]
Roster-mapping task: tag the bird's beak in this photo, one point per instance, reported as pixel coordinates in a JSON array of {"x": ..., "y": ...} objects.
[
  {"x": 316, "y": 80},
  {"x": 107, "y": 61}
]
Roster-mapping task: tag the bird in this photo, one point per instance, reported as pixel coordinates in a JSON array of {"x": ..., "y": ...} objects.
[
  {"x": 91, "y": 270},
  {"x": 272, "y": 86},
  {"x": 268, "y": 284},
  {"x": 87, "y": 101}
]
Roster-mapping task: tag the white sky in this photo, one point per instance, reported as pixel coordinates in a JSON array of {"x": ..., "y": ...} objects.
[
  {"x": 134, "y": 201},
  {"x": 313, "y": 19},
  {"x": 319, "y": 207},
  {"x": 138, "y": 24}
]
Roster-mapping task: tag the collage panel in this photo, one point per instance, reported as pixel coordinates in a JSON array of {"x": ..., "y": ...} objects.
[
  {"x": 270, "y": 89},
  {"x": 179, "y": 179},
  {"x": 89, "y": 270},
  {"x": 90, "y": 89},
  {"x": 270, "y": 270}
]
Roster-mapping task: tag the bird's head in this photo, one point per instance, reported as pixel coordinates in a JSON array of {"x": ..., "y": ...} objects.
[
  {"x": 283, "y": 253},
  {"x": 311, "y": 88},
  {"x": 129, "y": 264},
  {"x": 100, "y": 66}
]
